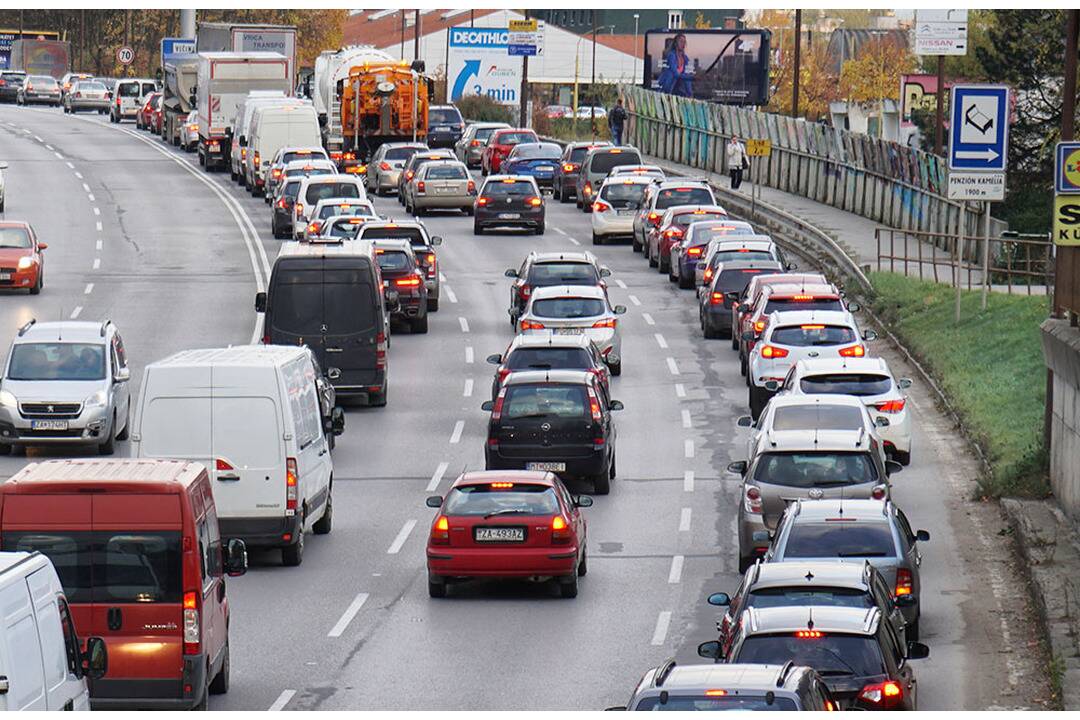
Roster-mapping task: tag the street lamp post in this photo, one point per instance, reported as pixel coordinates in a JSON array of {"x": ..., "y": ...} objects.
[
  {"x": 592, "y": 85},
  {"x": 636, "y": 16}
]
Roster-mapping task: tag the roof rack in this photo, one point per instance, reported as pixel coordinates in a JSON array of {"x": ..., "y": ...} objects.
[
  {"x": 24, "y": 328},
  {"x": 104, "y": 326},
  {"x": 663, "y": 671},
  {"x": 784, "y": 673}
]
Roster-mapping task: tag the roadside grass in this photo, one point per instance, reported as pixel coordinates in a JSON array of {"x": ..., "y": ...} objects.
[{"x": 990, "y": 365}]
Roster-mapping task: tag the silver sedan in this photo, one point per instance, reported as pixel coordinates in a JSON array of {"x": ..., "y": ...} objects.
[
  {"x": 441, "y": 185},
  {"x": 576, "y": 310}
]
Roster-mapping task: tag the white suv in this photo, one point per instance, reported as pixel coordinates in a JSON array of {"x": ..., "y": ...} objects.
[{"x": 65, "y": 383}]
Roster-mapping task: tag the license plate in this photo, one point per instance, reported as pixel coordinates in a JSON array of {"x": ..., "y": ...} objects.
[
  {"x": 569, "y": 331},
  {"x": 213, "y": 146},
  {"x": 5, "y": 276},
  {"x": 546, "y": 466},
  {"x": 48, "y": 425},
  {"x": 386, "y": 283},
  {"x": 509, "y": 216},
  {"x": 500, "y": 534},
  {"x": 442, "y": 129},
  {"x": 625, "y": 212},
  {"x": 545, "y": 168}
]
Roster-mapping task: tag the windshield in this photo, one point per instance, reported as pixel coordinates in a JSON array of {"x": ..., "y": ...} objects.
[
  {"x": 623, "y": 195},
  {"x": 519, "y": 499},
  {"x": 321, "y": 190},
  {"x": 331, "y": 210},
  {"x": 604, "y": 160},
  {"x": 514, "y": 138},
  {"x": 562, "y": 273},
  {"x": 680, "y": 703},
  {"x": 734, "y": 280},
  {"x": 812, "y": 335},
  {"x": 856, "y": 384},
  {"x": 501, "y": 188},
  {"x": 443, "y": 116},
  {"x": 819, "y": 416},
  {"x": 401, "y": 153},
  {"x": 549, "y": 358},
  {"x": 815, "y": 469},
  {"x": 57, "y": 361},
  {"x": 840, "y": 539},
  {"x": 803, "y": 596},
  {"x": 670, "y": 197},
  {"x": 90, "y": 86},
  {"x": 393, "y": 260},
  {"x": 568, "y": 308},
  {"x": 548, "y": 151},
  {"x": 14, "y": 237},
  {"x": 832, "y": 655},
  {"x": 446, "y": 172},
  {"x": 43, "y": 80},
  {"x": 548, "y": 400}
]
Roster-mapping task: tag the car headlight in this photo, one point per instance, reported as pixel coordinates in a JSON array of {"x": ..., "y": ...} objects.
[
  {"x": 98, "y": 399},
  {"x": 26, "y": 262},
  {"x": 8, "y": 400}
]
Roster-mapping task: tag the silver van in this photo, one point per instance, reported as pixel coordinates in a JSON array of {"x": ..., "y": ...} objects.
[{"x": 595, "y": 168}]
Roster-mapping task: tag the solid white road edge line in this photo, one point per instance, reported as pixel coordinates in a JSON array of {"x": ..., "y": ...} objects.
[
  {"x": 402, "y": 536},
  {"x": 348, "y": 615}
]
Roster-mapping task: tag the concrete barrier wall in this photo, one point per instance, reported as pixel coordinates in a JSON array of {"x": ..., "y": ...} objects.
[{"x": 889, "y": 183}]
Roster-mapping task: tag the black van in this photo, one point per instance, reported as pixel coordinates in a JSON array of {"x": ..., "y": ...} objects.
[{"x": 330, "y": 298}]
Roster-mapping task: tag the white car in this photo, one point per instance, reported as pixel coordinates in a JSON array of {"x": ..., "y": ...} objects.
[
  {"x": 808, "y": 414},
  {"x": 870, "y": 380},
  {"x": 797, "y": 335},
  {"x": 649, "y": 171},
  {"x": 328, "y": 207},
  {"x": 576, "y": 310},
  {"x": 314, "y": 188},
  {"x": 615, "y": 206}
]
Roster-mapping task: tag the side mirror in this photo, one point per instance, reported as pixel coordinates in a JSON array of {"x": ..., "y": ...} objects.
[
  {"x": 260, "y": 302},
  {"x": 582, "y": 501},
  {"x": 615, "y": 405},
  {"x": 869, "y": 335},
  {"x": 748, "y": 335},
  {"x": 333, "y": 373},
  {"x": 3, "y": 166},
  {"x": 337, "y": 421},
  {"x": 881, "y": 421},
  {"x": 922, "y": 536},
  {"x": 772, "y": 385},
  {"x": 892, "y": 467},
  {"x": 243, "y": 141},
  {"x": 719, "y": 599},
  {"x": 745, "y": 421},
  {"x": 95, "y": 660},
  {"x": 791, "y": 266},
  {"x": 605, "y": 272},
  {"x": 434, "y": 501},
  {"x": 904, "y": 601},
  {"x": 917, "y": 651},
  {"x": 511, "y": 273},
  {"x": 42, "y": 246},
  {"x": 854, "y": 307},
  {"x": 903, "y": 383},
  {"x": 487, "y": 406},
  {"x": 122, "y": 375},
  {"x": 738, "y": 467},
  {"x": 236, "y": 560},
  {"x": 436, "y": 240},
  {"x": 619, "y": 309},
  {"x": 744, "y": 308},
  {"x": 710, "y": 650},
  {"x": 495, "y": 359}
]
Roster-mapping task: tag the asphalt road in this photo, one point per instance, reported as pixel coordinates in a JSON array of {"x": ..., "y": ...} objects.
[{"x": 175, "y": 262}]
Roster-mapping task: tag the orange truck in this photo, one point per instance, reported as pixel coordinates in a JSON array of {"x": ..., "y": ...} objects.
[{"x": 384, "y": 102}]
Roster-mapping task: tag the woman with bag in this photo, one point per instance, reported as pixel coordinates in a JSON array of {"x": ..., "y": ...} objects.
[{"x": 737, "y": 161}]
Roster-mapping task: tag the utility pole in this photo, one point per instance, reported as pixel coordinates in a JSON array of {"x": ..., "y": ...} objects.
[
  {"x": 592, "y": 84},
  {"x": 82, "y": 39},
  {"x": 416, "y": 34},
  {"x": 798, "y": 62},
  {"x": 523, "y": 113},
  {"x": 939, "y": 111},
  {"x": 402, "y": 50}
]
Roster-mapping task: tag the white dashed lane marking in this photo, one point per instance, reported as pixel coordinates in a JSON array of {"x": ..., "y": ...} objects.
[
  {"x": 688, "y": 481},
  {"x": 687, "y": 421},
  {"x": 437, "y": 477},
  {"x": 86, "y": 187},
  {"x": 620, "y": 283},
  {"x": 672, "y": 366},
  {"x": 76, "y": 311},
  {"x": 469, "y": 355},
  {"x": 684, "y": 520},
  {"x": 634, "y": 299},
  {"x": 450, "y": 295},
  {"x": 675, "y": 574},
  {"x": 464, "y": 324},
  {"x": 648, "y": 319},
  {"x": 97, "y": 263},
  {"x": 680, "y": 390},
  {"x": 455, "y": 437},
  {"x": 663, "y": 620},
  {"x": 574, "y": 240},
  {"x": 99, "y": 226},
  {"x": 661, "y": 341},
  {"x": 97, "y": 211},
  {"x": 89, "y": 289},
  {"x": 402, "y": 536},
  {"x": 348, "y": 615},
  {"x": 282, "y": 700},
  {"x": 468, "y": 387},
  {"x": 688, "y": 448}
]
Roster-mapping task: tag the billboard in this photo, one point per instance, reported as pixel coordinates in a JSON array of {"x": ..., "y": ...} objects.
[
  {"x": 7, "y": 37},
  {"x": 725, "y": 66},
  {"x": 480, "y": 65}
]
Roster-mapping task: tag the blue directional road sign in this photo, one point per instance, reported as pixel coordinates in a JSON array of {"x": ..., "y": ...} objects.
[
  {"x": 171, "y": 47},
  {"x": 979, "y": 134}
]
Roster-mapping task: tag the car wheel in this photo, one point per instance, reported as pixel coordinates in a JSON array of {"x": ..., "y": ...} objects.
[
  {"x": 540, "y": 229},
  {"x": 555, "y": 193},
  {"x": 743, "y": 366},
  {"x": 109, "y": 446},
  {"x": 635, "y": 245},
  {"x": 36, "y": 290},
  {"x": 476, "y": 229},
  {"x": 601, "y": 483},
  {"x": 597, "y": 240},
  {"x": 127, "y": 428},
  {"x": 18, "y": 450},
  {"x": 326, "y": 522},
  {"x": 378, "y": 399},
  {"x": 686, "y": 283},
  {"x": 293, "y": 555},
  {"x": 708, "y": 330},
  {"x": 583, "y": 566},
  {"x": 911, "y": 630},
  {"x": 433, "y": 305},
  {"x": 5, "y": 449},
  {"x": 587, "y": 207},
  {"x": 419, "y": 325},
  {"x": 653, "y": 262},
  {"x": 220, "y": 684},
  {"x": 734, "y": 340},
  {"x": 757, "y": 401},
  {"x": 436, "y": 586},
  {"x": 568, "y": 586},
  {"x": 616, "y": 369},
  {"x": 468, "y": 210},
  {"x": 904, "y": 458}
]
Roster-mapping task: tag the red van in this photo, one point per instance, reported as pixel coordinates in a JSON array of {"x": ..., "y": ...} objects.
[{"x": 138, "y": 551}]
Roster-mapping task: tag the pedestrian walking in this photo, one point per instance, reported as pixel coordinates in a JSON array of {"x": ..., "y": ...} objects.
[
  {"x": 616, "y": 121},
  {"x": 737, "y": 161}
]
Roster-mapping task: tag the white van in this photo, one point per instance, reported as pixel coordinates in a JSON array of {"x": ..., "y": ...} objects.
[
  {"x": 244, "y": 110},
  {"x": 41, "y": 664},
  {"x": 272, "y": 128},
  {"x": 250, "y": 414},
  {"x": 128, "y": 96},
  {"x": 314, "y": 188}
]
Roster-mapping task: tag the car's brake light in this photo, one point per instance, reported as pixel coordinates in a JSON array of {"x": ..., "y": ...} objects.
[
  {"x": 192, "y": 631},
  {"x": 299, "y": 207},
  {"x": 771, "y": 352},
  {"x": 608, "y": 323},
  {"x": 502, "y": 373},
  {"x": 496, "y": 411},
  {"x": 560, "y": 530},
  {"x": 759, "y": 325},
  {"x": 475, "y": 143},
  {"x": 811, "y": 327},
  {"x": 531, "y": 325},
  {"x": 600, "y": 206},
  {"x": 878, "y": 493},
  {"x": 802, "y": 298},
  {"x": 524, "y": 291},
  {"x": 419, "y": 186},
  {"x": 275, "y": 173},
  {"x": 708, "y": 274},
  {"x": 594, "y": 406},
  {"x": 482, "y": 201},
  {"x": 380, "y": 351},
  {"x": 535, "y": 201},
  {"x": 884, "y": 694},
  {"x": 891, "y": 406},
  {"x": 853, "y": 351},
  {"x": 716, "y": 298},
  {"x": 694, "y": 251},
  {"x": 752, "y": 500},
  {"x": 281, "y": 203},
  {"x": 588, "y": 188},
  {"x": 440, "y": 531},
  {"x": 313, "y": 228},
  {"x": 291, "y": 481},
  {"x": 654, "y": 217},
  {"x": 567, "y": 167},
  {"x": 384, "y": 166},
  {"x": 715, "y": 693},
  {"x": 222, "y": 464},
  {"x": 409, "y": 174},
  {"x": 809, "y": 634},
  {"x": 904, "y": 584},
  {"x": 672, "y": 233},
  {"x": 408, "y": 282}
]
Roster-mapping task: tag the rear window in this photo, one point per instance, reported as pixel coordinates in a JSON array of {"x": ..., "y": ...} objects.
[
  {"x": 90, "y": 86},
  {"x": 344, "y": 229},
  {"x": 568, "y": 308},
  {"x": 309, "y": 171},
  {"x": 148, "y": 87},
  {"x": 128, "y": 90},
  {"x": 319, "y": 191},
  {"x": 549, "y": 358},
  {"x": 447, "y": 172},
  {"x": 484, "y": 500},
  {"x": 742, "y": 701},
  {"x": 780, "y": 304},
  {"x": 684, "y": 219},
  {"x": 331, "y": 210},
  {"x": 846, "y": 384},
  {"x": 349, "y": 306},
  {"x": 305, "y": 300},
  {"x": 393, "y": 260},
  {"x": 623, "y": 195},
  {"x": 812, "y": 335},
  {"x": 735, "y": 280},
  {"x": 742, "y": 255},
  {"x": 401, "y": 153},
  {"x": 109, "y": 566},
  {"x": 558, "y": 273},
  {"x": 503, "y": 188},
  {"x": 817, "y": 416},
  {"x": 414, "y": 235},
  {"x": 815, "y": 469},
  {"x": 514, "y": 138},
  {"x": 547, "y": 400},
  {"x": 670, "y": 197},
  {"x": 803, "y": 596},
  {"x": 603, "y": 161},
  {"x": 443, "y": 116},
  {"x": 300, "y": 155},
  {"x": 832, "y": 655},
  {"x": 841, "y": 539},
  {"x": 540, "y": 150}
]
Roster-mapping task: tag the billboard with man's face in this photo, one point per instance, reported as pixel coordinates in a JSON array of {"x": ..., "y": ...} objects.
[{"x": 725, "y": 66}]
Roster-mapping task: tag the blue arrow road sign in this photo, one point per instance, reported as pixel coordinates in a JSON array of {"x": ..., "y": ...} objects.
[
  {"x": 468, "y": 70},
  {"x": 979, "y": 133}
]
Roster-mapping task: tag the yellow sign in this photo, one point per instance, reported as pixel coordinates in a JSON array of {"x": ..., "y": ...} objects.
[
  {"x": 1067, "y": 220},
  {"x": 758, "y": 148},
  {"x": 521, "y": 25}
]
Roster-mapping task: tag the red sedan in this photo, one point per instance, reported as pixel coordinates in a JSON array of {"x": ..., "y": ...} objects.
[
  {"x": 21, "y": 262},
  {"x": 499, "y": 146},
  {"x": 507, "y": 524},
  {"x": 144, "y": 117}
]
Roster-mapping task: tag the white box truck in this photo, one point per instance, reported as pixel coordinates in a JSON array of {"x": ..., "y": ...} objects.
[
  {"x": 272, "y": 128},
  {"x": 224, "y": 80}
]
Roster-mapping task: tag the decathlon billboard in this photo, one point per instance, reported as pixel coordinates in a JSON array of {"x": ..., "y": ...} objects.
[{"x": 480, "y": 65}]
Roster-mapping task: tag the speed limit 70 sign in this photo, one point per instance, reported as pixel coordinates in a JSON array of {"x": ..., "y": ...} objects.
[{"x": 125, "y": 55}]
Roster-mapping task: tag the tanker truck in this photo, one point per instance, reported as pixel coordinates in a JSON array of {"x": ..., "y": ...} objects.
[{"x": 327, "y": 85}]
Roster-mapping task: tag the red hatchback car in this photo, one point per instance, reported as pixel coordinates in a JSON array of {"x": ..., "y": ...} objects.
[
  {"x": 144, "y": 119},
  {"x": 499, "y": 146},
  {"x": 507, "y": 524},
  {"x": 21, "y": 262}
]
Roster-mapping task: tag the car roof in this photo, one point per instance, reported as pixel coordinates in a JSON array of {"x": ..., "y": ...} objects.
[
  {"x": 532, "y": 377},
  {"x": 588, "y": 144},
  {"x": 488, "y": 125},
  {"x": 332, "y": 177},
  {"x": 669, "y": 182},
  {"x": 786, "y": 277},
  {"x": 854, "y": 621},
  {"x": 323, "y": 202},
  {"x": 816, "y": 440},
  {"x": 389, "y": 146},
  {"x": 555, "y": 341},
  {"x": 482, "y": 477},
  {"x": 680, "y": 209},
  {"x": 69, "y": 474},
  {"x": 584, "y": 291},
  {"x": 802, "y": 289},
  {"x": 64, "y": 331},
  {"x": 396, "y": 244},
  {"x": 750, "y": 242},
  {"x": 864, "y": 509},
  {"x": 325, "y": 248},
  {"x": 809, "y": 574},
  {"x": 395, "y": 223},
  {"x": 582, "y": 256},
  {"x": 500, "y": 178},
  {"x": 787, "y": 318},
  {"x": 627, "y": 179},
  {"x": 840, "y": 366},
  {"x": 717, "y": 675},
  {"x": 821, "y": 399},
  {"x": 15, "y": 224}
]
